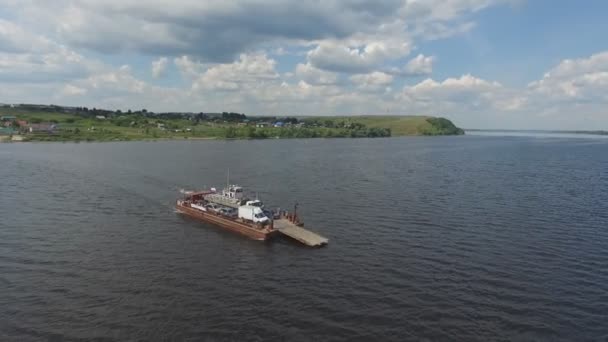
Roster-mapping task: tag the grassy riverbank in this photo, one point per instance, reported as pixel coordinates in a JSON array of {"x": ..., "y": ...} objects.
[
  {"x": 406, "y": 125},
  {"x": 79, "y": 124}
]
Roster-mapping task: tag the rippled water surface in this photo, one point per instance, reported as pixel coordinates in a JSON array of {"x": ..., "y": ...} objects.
[{"x": 457, "y": 238}]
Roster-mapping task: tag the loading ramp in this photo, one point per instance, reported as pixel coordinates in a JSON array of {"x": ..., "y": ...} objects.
[{"x": 300, "y": 234}]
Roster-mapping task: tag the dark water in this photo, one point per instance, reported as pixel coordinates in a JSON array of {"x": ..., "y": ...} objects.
[{"x": 456, "y": 238}]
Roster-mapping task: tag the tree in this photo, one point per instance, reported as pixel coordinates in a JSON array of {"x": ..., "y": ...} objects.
[
  {"x": 230, "y": 133},
  {"x": 250, "y": 132},
  {"x": 233, "y": 117},
  {"x": 261, "y": 133}
]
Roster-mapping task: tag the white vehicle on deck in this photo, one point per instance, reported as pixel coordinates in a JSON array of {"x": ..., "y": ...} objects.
[{"x": 253, "y": 214}]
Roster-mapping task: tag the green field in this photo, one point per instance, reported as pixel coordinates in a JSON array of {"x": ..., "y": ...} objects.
[
  {"x": 84, "y": 126},
  {"x": 404, "y": 125}
]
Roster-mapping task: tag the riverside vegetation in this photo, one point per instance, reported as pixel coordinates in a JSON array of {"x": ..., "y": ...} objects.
[{"x": 84, "y": 124}]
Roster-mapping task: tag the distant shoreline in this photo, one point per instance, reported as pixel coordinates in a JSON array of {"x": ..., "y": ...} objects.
[
  {"x": 5, "y": 139},
  {"x": 595, "y": 132},
  {"x": 75, "y": 124}
]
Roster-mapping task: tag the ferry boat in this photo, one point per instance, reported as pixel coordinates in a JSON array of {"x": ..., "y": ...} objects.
[{"x": 231, "y": 210}]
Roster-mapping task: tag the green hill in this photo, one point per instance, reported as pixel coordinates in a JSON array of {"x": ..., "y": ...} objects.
[{"x": 405, "y": 125}]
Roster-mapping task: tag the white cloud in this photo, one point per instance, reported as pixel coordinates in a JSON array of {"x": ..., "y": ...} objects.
[
  {"x": 13, "y": 39},
  {"x": 420, "y": 65},
  {"x": 249, "y": 70},
  {"x": 372, "y": 81},
  {"x": 71, "y": 90},
  {"x": 159, "y": 67},
  {"x": 572, "y": 95},
  {"x": 584, "y": 79},
  {"x": 310, "y": 74},
  {"x": 118, "y": 88},
  {"x": 215, "y": 31},
  {"x": 187, "y": 67},
  {"x": 444, "y": 10},
  {"x": 358, "y": 59},
  {"x": 29, "y": 57},
  {"x": 219, "y": 31},
  {"x": 466, "y": 83},
  {"x": 439, "y": 30},
  {"x": 118, "y": 80},
  {"x": 466, "y": 94},
  {"x": 280, "y": 51}
]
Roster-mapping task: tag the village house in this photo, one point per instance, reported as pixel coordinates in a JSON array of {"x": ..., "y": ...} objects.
[{"x": 42, "y": 128}]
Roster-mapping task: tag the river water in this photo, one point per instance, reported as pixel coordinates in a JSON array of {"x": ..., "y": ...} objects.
[{"x": 471, "y": 238}]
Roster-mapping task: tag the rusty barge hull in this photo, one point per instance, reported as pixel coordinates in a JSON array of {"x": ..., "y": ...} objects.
[{"x": 228, "y": 224}]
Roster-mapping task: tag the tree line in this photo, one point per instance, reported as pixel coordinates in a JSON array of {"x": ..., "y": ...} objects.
[{"x": 251, "y": 132}]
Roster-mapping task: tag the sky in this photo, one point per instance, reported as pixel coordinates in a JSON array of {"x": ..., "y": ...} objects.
[{"x": 513, "y": 64}]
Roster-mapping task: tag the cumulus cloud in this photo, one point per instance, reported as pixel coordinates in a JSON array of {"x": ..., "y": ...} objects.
[
  {"x": 420, "y": 65},
  {"x": 14, "y": 39},
  {"x": 71, "y": 90},
  {"x": 119, "y": 88},
  {"x": 443, "y": 10},
  {"x": 453, "y": 86},
  {"x": 214, "y": 30},
  {"x": 29, "y": 57},
  {"x": 310, "y": 74},
  {"x": 453, "y": 95},
  {"x": 188, "y": 67},
  {"x": 250, "y": 70},
  {"x": 338, "y": 57},
  {"x": 159, "y": 67},
  {"x": 584, "y": 79},
  {"x": 219, "y": 31},
  {"x": 372, "y": 81},
  {"x": 571, "y": 95}
]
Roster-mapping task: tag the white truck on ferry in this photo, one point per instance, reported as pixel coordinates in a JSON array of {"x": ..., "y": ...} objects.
[{"x": 252, "y": 213}]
